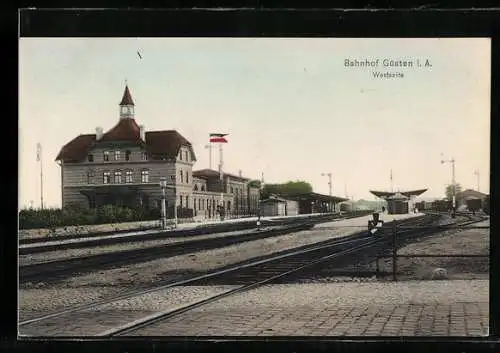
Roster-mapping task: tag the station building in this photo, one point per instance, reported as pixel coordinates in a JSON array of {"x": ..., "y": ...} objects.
[
  {"x": 123, "y": 166},
  {"x": 399, "y": 202}
]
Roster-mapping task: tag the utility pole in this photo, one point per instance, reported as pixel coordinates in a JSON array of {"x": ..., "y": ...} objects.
[
  {"x": 476, "y": 173},
  {"x": 39, "y": 159},
  {"x": 452, "y": 162},
  {"x": 329, "y": 181},
  {"x": 392, "y": 189}
]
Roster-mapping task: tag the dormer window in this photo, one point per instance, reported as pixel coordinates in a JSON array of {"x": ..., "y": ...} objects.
[
  {"x": 90, "y": 157},
  {"x": 105, "y": 156},
  {"x": 127, "y": 155},
  {"x": 117, "y": 155}
]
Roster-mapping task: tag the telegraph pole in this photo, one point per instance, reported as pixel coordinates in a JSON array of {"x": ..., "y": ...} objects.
[
  {"x": 452, "y": 162},
  {"x": 39, "y": 159},
  {"x": 329, "y": 181},
  {"x": 476, "y": 173}
]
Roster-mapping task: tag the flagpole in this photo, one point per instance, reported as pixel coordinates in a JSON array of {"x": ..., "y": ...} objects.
[
  {"x": 221, "y": 176},
  {"x": 210, "y": 154}
]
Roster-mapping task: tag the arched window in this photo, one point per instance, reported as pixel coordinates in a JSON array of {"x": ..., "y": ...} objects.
[
  {"x": 195, "y": 187},
  {"x": 118, "y": 177}
]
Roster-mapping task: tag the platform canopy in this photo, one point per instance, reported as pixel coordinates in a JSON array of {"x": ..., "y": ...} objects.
[
  {"x": 312, "y": 196},
  {"x": 386, "y": 194}
]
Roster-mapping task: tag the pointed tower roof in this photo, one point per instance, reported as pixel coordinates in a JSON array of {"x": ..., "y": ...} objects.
[{"x": 127, "y": 97}]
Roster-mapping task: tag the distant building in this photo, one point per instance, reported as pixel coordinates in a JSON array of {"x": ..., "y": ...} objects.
[
  {"x": 399, "y": 202},
  {"x": 123, "y": 166},
  {"x": 278, "y": 206},
  {"x": 468, "y": 196}
]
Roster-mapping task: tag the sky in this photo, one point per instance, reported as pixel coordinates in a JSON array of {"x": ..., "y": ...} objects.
[{"x": 291, "y": 107}]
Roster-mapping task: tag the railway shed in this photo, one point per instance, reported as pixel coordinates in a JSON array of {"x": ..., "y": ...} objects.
[{"x": 313, "y": 202}]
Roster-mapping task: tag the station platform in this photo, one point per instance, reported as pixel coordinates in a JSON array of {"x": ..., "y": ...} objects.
[{"x": 414, "y": 308}]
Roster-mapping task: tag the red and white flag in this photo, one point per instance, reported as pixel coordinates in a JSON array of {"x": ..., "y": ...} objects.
[{"x": 218, "y": 138}]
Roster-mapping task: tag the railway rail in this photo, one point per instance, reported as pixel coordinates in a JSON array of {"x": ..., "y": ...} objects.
[
  {"x": 30, "y": 246},
  {"x": 56, "y": 270},
  {"x": 252, "y": 274}
]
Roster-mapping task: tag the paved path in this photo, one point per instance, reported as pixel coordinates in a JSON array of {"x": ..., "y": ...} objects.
[
  {"x": 413, "y": 308},
  {"x": 459, "y": 319}
]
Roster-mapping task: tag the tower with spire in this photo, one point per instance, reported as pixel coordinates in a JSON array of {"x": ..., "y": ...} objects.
[{"x": 126, "y": 105}]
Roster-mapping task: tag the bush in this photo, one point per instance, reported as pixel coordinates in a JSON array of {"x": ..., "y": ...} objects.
[{"x": 78, "y": 216}]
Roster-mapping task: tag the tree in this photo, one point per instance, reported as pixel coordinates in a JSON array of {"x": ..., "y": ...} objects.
[
  {"x": 449, "y": 191},
  {"x": 289, "y": 188},
  {"x": 254, "y": 184}
]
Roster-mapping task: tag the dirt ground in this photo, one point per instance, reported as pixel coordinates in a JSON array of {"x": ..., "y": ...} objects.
[{"x": 462, "y": 242}]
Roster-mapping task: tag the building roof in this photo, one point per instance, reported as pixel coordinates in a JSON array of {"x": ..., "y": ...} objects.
[
  {"x": 397, "y": 196},
  {"x": 166, "y": 142},
  {"x": 127, "y": 97},
  {"x": 471, "y": 194},
  {"x": 314, "y": 196},
  {"x": 125, "y": 130},
  {"x": 386, "y": 194},
  {"x": 210, "y": 173}
]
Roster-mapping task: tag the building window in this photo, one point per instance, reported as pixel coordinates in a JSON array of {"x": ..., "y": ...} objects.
[
  {"x": 229, "y": 205},
  {"x": 105, "y": 156},
  {"x": 145, "y": 176},
  {"x": 195, "y": 187},
  {"x": 187, "y": 201},
  {"x": 232, "y": 190},
  {"x": 128, "y": 176},
  {"x": 182, "y": 176},
  {"x": 144, "y": 156},
  {"x": 118, "y": 177},
  {"x": 90, "y": 177},
  {"x": 194, "y": 203},
  {"x": 117, "y": 155},
  {"x": 127, "y": 155},
  {"x": 203, "y": 188},
  {"x": 92, "y": 202},
  {"x": 180, "y": 155},
  {"x": 187, "y": 177},
  {"x": 187, "y": 158},
  {"x": 200, "y": 204},
  {"x": 106, "y": 177},
  {"x": 90, "y": 158},
  {"x": 180, "y": 197}
]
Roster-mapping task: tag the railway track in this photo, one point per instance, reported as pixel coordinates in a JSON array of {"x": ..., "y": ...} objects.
[
  {"x": 245, "y": 276},
  {"x": 56, "y": 270}
]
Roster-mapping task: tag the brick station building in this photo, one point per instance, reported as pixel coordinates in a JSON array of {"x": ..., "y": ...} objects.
[{"x": 123, "y": 166}]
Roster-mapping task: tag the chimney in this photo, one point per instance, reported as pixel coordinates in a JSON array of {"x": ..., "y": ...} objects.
[
  {"x": 142, "y": 132},
  {"x": 98, "y": 133}
]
